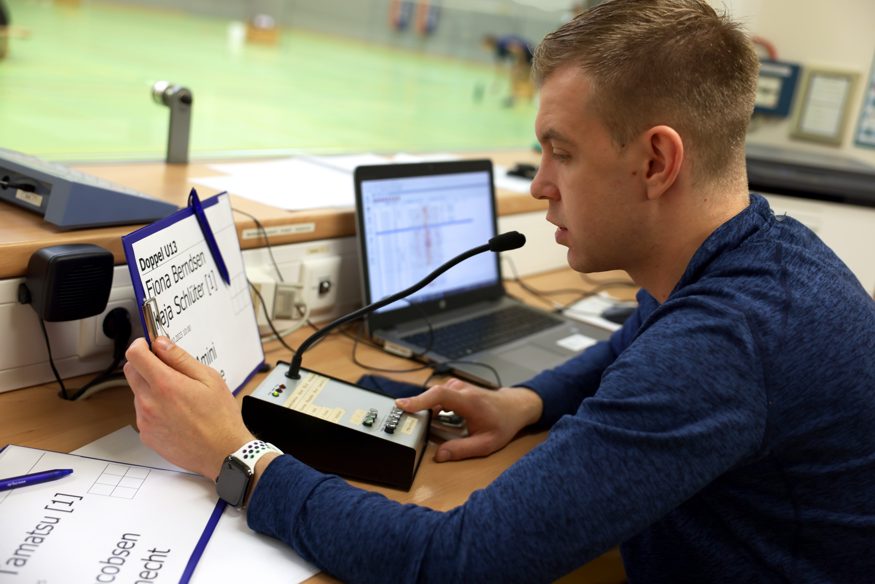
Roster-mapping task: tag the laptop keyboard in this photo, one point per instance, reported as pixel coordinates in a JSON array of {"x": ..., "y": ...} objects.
[{"x": 463, "y": 338}]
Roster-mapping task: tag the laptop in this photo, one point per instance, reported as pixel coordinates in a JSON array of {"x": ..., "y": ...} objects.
[{"x": 411, "y": 218}]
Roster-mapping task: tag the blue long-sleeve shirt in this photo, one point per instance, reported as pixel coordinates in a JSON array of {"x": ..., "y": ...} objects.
[{"x": 727, "y": 434}]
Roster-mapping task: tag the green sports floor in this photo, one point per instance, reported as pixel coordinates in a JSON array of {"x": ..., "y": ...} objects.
[{"x": 78, "y": 88}]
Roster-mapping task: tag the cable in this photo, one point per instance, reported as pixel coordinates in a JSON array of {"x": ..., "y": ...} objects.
[
  {"x": 424, "y": 315},
  {"x": 418, "y": 355},
  {"x": 598, "y": 286},
  {"x": 267, "y": 317},
  {"x": 429, "y": 378},
  {"x": 266, "y": 241},
  {"x": 116, "y": 380},
  {"x": 596, "y": 282},
  {"x": 52, "y": 361},
  {"x": 359, "y": 338},
  {"x": 587, "y": 294},
  {"x": 304, "y": 312},
  {"x": 539, "y": 294},
  {"x": 7, "y": 183},
  {"x": 445, "y": 369},
  {"x": 356, "y": 339},
  {"x": 438, "y": 368},
  {"x": 601, "y": 284},
  {"x": 91, "y": 385}
]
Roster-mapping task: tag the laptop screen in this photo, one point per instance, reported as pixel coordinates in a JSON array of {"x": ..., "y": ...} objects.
[{"x": 413, "y": 218}]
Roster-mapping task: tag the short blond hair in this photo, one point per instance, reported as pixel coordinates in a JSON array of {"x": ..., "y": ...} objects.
[{"x": 672, "y": 62}]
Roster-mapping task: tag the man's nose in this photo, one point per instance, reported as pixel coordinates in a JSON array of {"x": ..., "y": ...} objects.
[{"x": 541, "y": 187}]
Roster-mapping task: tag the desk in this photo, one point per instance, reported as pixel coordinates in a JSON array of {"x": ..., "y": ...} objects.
[
  {"x": 36, "y": 417},
  {"x": 23, "y": 232}
]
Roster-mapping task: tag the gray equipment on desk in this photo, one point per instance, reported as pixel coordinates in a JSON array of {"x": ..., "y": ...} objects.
[
  {"x": 179, "y": 99},
  {"x": 810, "y": 175},
  {"x": 71, "y": 199},
  {"x": 337, "y": 427}
]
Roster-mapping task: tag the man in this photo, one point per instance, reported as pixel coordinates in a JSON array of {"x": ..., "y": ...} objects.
[
  {"x": 7, "y": 31},
  {"x": 4, "y": 29},
  {"x": 725, "y": 433},
  {"x": 515, "y": 52}
]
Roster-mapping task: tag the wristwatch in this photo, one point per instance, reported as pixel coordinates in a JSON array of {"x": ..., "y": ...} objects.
[{"x": 238, "y": 469}]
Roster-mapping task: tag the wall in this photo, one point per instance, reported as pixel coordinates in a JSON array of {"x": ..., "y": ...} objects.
[{"x": 838, "y": 34}]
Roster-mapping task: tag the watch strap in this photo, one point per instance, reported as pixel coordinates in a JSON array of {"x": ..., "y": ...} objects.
[
  {"x": 252, "y": 451},
  {"x": 235, "y": 476}
]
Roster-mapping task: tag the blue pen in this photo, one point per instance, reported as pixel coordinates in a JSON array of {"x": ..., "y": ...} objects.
[
  {"x": 34, "y": 479},
  {"x": 195, "y": 203}
]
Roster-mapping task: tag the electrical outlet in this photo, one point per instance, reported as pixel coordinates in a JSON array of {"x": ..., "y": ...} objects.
[
  {"x": 287, "y": 301},
  {"x": 265, "y": 287},
  {"x": 281, "y": 300},
  {"x": 93, "y": 341},
  {"x": 319, "y": 278}
]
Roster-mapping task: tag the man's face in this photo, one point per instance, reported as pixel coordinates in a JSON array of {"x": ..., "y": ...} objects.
[{"x": 594, "y": 189}]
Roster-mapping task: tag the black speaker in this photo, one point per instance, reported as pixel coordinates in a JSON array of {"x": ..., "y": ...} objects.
[{"x": 68, "y": 282}]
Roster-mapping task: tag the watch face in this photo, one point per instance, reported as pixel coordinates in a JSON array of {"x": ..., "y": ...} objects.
[{"x": 233, "y": 481}]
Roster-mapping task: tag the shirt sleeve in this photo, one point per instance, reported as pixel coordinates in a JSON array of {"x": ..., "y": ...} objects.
[
  {"x": 667, "y": 419},
  {"x": 563, "y": 388}
]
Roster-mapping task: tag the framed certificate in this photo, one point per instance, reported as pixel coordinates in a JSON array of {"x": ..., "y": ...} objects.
[
  {"x": 824, "y": 106},
  {"x": 866, "y": 125}
]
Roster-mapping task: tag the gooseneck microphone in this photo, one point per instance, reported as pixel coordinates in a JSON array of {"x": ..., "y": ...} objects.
[{"x": 504, "y": 242}]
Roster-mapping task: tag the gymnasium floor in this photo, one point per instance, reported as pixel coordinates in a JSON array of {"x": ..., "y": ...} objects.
[{"x": 79, "y": 89}]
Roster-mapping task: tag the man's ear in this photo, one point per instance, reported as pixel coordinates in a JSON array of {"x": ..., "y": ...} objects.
[{"x": 664, "y": 150}]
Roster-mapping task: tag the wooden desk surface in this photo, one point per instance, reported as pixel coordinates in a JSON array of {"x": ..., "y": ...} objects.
[
  {"x": 36, "y": 417},
  {"x": 23, "y": 232}
]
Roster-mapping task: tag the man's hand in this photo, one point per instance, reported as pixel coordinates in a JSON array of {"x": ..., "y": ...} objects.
[
  {"x": 185, "y": 412},
  {"x": 494, "y": 417}
]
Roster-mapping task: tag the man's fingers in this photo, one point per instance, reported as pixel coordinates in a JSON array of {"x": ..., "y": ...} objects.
[
  {"x": 471, "y": 447},
  {"x": 179, "y": 359},
  {"x": 142, "y": 362},
  {"x": 424, "y": 401},
  {"x": 135, "y": 380},
  {"x": 444, "y": 395},
  {"x": 153, "y": 366}
]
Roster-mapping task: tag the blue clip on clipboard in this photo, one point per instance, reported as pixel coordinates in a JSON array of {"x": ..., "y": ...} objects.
[{"x": 190, "y": 284}]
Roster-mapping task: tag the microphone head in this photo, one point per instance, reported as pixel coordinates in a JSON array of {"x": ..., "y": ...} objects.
[{"x": 507, "y": 241}]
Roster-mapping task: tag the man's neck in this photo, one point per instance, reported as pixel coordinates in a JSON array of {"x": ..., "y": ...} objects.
[{"x": 679, "y": 240}]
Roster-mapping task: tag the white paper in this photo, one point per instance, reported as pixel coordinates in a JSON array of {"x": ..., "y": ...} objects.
[
  {"x": 213, "y": 321},
  {"x": 124, "y": 445},
  {"x": 516, "y": 184},
  {"x": 234, "y": 548},
  {"x": 590, "y": 309},
  {"x": 301, "y": 185},
  {"x": 576, "y": 342},
  {"x": 406, "y": 157},
  {"x": 315, "y": 182},
  {"x": 293, "y": 183},
  {"x": 348, "y": 162},
  {"x": 107, "y": 521}
]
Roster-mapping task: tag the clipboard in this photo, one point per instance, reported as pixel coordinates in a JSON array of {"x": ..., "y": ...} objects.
[{"x": 190, "y": 285}]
